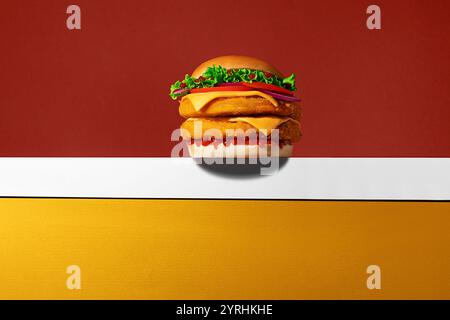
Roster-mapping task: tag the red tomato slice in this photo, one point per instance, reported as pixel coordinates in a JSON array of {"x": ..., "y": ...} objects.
[
  {"x": 266, "y": 86},
  {"x": 226, "y": 88}
]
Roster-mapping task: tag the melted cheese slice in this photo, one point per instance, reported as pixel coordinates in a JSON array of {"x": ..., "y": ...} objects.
[
  {"x": 260, "y": 123},
  {"x": 199, "y": 100},
  {"x": 269, "y": 123}
]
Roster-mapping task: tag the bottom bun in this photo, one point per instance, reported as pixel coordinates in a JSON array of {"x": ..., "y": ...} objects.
[{"x": 238, "y": 151}]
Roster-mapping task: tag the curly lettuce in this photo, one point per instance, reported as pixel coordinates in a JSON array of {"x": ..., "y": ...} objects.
[{"x": 217, "y": 74}]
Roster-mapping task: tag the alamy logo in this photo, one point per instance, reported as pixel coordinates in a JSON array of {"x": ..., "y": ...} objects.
[
  {"x": 73, "y": 21},
  {"x": 374, "y": 280},
  {"x": 73, "y": 282},
  {"x": 374, "y": 20},
  {"x": 235, "y": 146}
]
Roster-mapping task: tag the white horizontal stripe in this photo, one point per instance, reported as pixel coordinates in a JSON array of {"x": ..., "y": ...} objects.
[{"x": 299, "y": 178}]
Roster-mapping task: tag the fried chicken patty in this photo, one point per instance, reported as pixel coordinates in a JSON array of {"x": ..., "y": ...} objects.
[
  {"x": 240, "y": 106},
  {"x": 288, "y": 131}
]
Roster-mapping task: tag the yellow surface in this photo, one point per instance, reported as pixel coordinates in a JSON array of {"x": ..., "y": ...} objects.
[{"x": 208, "y": 249}]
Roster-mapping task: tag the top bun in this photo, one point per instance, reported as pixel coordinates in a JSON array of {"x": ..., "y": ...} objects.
[{"x": 237, "y": 62}]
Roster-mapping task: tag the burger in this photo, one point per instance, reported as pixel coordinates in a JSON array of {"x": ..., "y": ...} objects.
[{"x": 232, "y": 97}]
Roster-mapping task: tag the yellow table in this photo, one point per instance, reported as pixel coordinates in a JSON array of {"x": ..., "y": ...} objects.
[{"x": 223, "y": 249}]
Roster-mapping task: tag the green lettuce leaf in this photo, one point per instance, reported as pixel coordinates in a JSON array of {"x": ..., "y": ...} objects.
[{"x": 217, "y": 74}]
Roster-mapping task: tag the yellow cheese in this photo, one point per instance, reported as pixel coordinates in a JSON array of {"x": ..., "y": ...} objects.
[
  {"x": 259, "y": 123},
  {"x": 199, "y": 100}
]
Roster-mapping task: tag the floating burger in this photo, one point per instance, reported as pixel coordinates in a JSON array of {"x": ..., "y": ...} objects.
[{"x": 232, "y": 104}]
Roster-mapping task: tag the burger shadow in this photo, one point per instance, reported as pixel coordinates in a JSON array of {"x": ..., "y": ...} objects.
[{"x": 241, "y": 170}]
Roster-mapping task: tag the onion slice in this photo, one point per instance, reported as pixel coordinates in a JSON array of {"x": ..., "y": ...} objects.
[
  {"x": 227, "y": 84},
  {"x": 180, "y": 91},
  {"x": 280, "y": 96},
  {"x": 276, "y": 95}
]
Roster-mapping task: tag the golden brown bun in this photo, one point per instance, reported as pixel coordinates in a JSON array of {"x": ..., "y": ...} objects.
[
  {"x": 239, "y": 106},
  {"x": 289, "y": 131},
  {"x": 236, "y": 62}
]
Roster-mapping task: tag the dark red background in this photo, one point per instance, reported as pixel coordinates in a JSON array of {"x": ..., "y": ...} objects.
[{"x": 102, "y": 91}]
